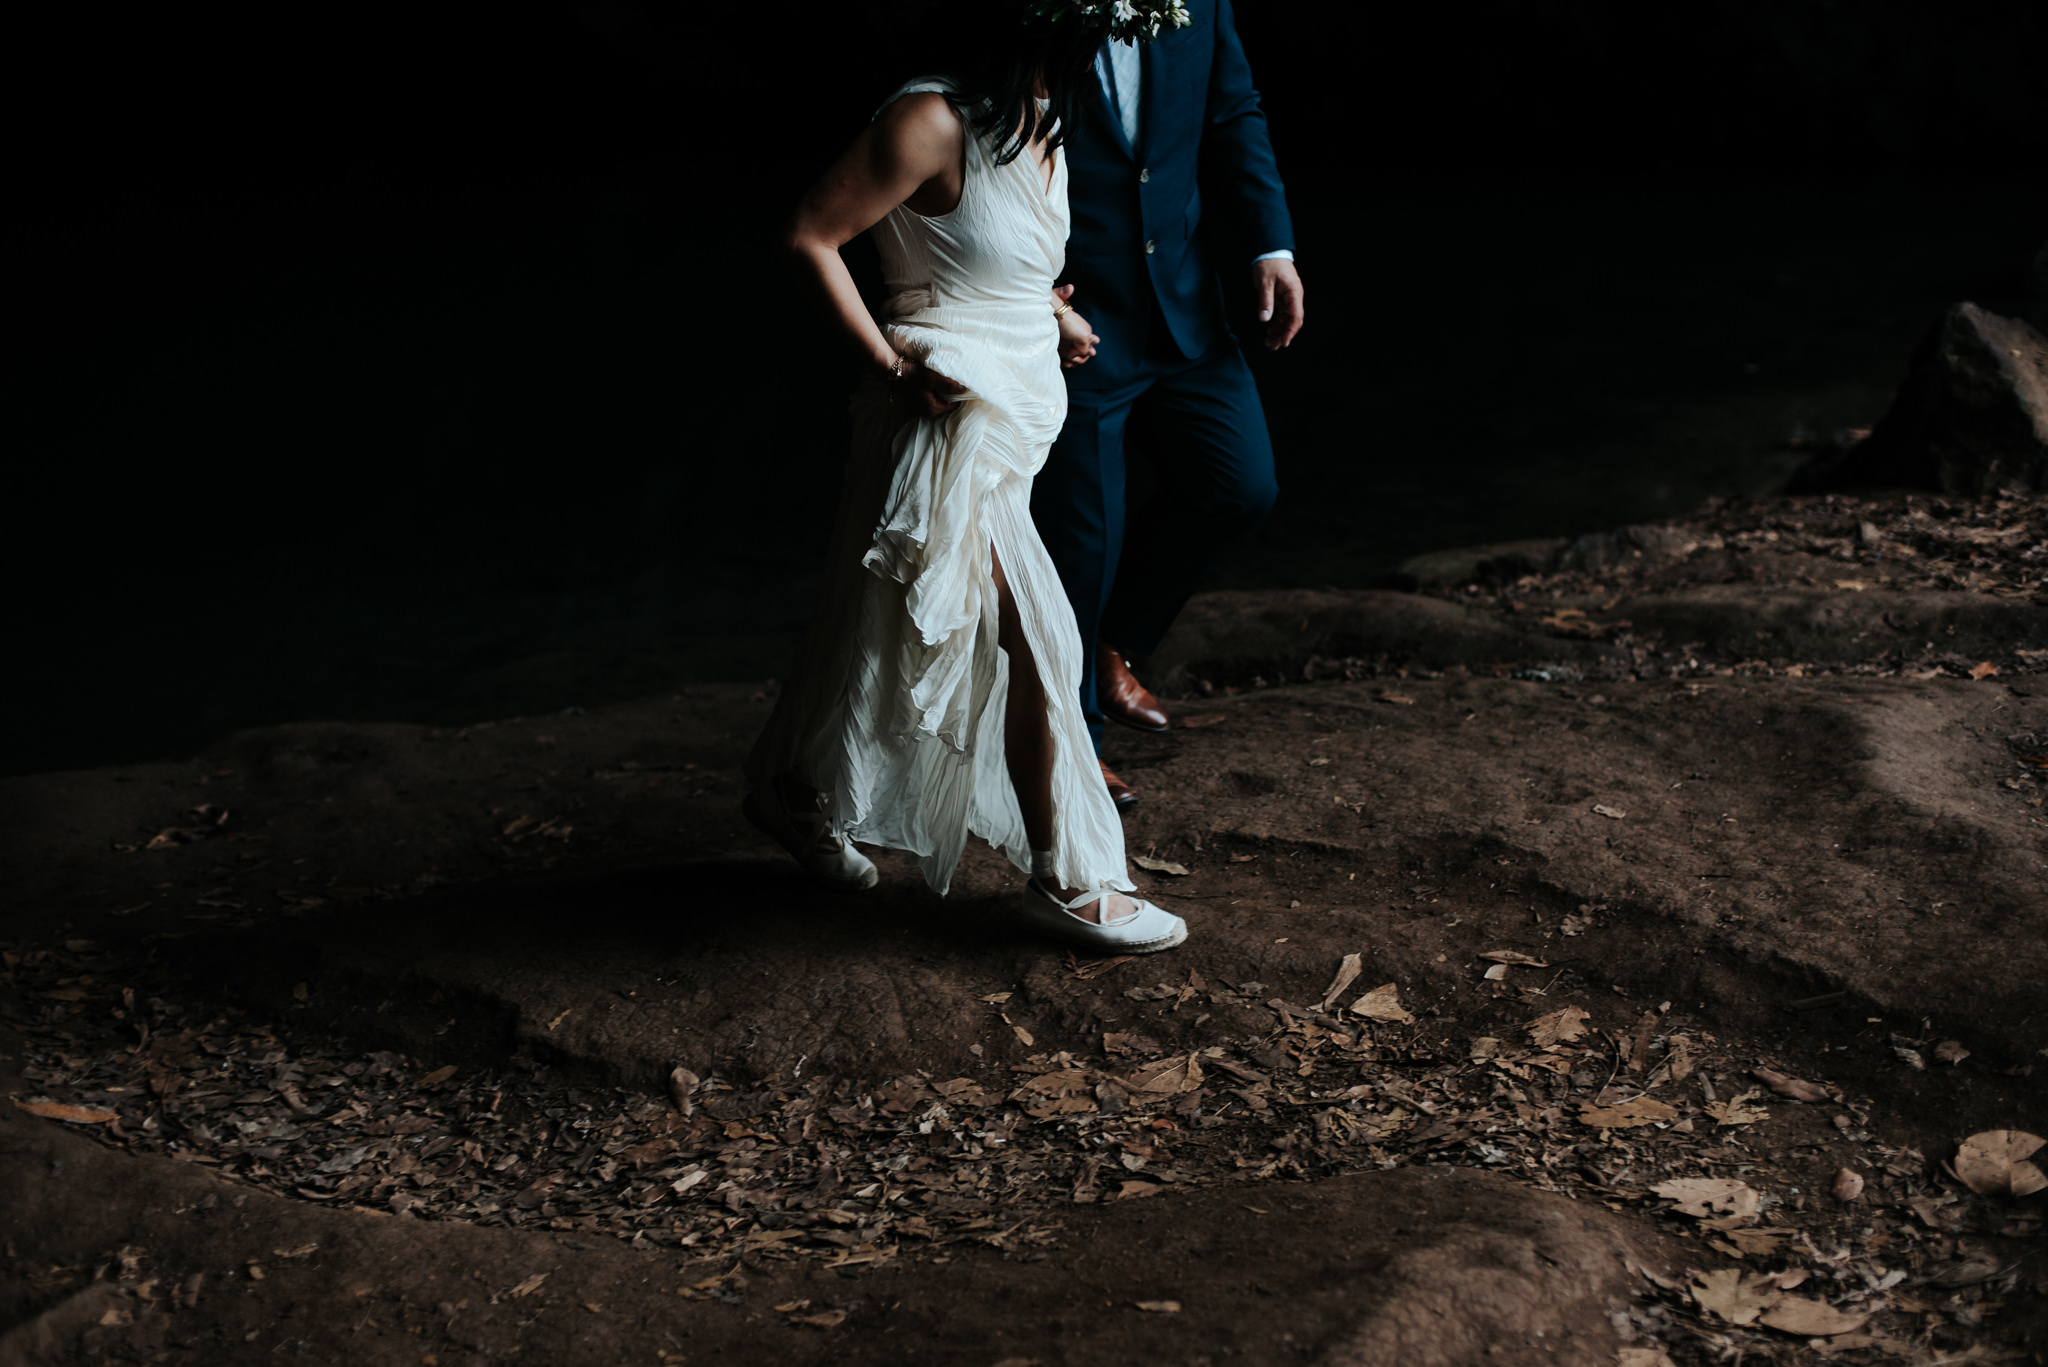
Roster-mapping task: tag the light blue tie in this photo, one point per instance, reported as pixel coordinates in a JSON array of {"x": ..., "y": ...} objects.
[{"x": 1118, "y": 66}]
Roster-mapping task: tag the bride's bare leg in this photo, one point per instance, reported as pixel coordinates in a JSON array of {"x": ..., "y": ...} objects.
[{"x": 1028, "y": 747}]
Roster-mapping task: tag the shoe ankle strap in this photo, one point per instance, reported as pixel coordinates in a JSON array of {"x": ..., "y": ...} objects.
[{"x": 1094, "y": 895}]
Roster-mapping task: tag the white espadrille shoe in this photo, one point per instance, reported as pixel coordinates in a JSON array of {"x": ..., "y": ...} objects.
[
  {"x": 808, "y": 836},
  {"x": 1145, "y": 931}
]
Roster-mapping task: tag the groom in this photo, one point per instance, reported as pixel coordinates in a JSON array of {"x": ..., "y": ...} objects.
[{"x": 1165, "y": 122}]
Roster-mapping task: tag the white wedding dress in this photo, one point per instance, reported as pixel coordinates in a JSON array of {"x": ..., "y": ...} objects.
[{"x": 895, "y": 708}]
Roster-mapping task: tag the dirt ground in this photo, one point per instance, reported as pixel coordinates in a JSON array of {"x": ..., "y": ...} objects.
[{"x": 1600, "y": 954}]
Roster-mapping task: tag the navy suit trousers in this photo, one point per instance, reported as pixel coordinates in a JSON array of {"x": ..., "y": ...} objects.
[{"x": 1203, "y": 428}]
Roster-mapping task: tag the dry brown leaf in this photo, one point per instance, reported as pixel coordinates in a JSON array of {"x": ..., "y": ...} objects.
[
  {"x": 1132, "y": 1190},
  {"x": 681, "y": 1082},
  {"x": 1129, "y": 1042},
  {"x": 1848, "y": 1184},
  {"x": 1168, "y": 1077},
  {"x": 1068, "y": 1091},
  {"x": 439, "y": 1075},
  {"x": 1024, "y": 1037},
  {"x": 1677, "y": 1063},
  {"x": 1762, "y": 1242},
  {"x": 823, "y": 1319},
  {"x": 1167, "y": 866},
  {"x": 1994, "y": 1163},
  {"x": 530, "y": 1285},
  {"x": 1936, "y": 1212},
  {"x": 763, "y": 1238},
  {"x": 1737, "y": 1110},
  {"x": 1559, "y": 1026},
  {"x": 1983, "y": 670},
  {"x": 1397, "y": 699},
  {"x": 1813, "y": 1319},
  {"x": 1347, "y": 973},
  {"x": 1496, "y": 973},
  {"x": 1159, "y": 1307},
  {"x": 1796, "y": 1088},
  {"x": 1735, "y": 1298},
  {"x": 1636, "y": 1045},
  {"x": 301, "y": 1251},
  {"x": 1951, "y": 1051},
  {"x": 1644, "y": 1110},
  {"x": 1611, "y": 813},
  {"x": 1567, "y": 619},
  {"x": 965, "y": 1091},
  {"x": 1969, "y": 1272},
  {"x": 1652, "y": 1275},
  {"x": 1199, "y": 720},
  {"x": 1515, "y": 956},
  {"x": 58, "y": 1110},
  {"x": 1705, "y": 1196},
  {"x": 1384, "y": 1126},
  {"x": 1383, "y": 1003}
]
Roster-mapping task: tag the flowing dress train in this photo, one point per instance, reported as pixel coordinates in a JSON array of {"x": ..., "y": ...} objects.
[{"x": 895, "y": 708}]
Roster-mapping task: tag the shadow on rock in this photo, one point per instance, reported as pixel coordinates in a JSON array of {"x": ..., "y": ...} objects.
[{"x": 629, "y": 972}]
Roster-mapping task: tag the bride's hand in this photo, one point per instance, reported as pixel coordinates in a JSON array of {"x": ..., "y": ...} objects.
[
  {"x": 924, "y": 393},
  {"x": 1077, "y": 339}
]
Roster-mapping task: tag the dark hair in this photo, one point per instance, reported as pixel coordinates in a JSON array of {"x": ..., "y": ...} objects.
[{"x": 993, "y": 55}]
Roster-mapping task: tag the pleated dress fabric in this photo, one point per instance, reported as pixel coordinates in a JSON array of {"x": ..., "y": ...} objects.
[{"x": 895, "y": 707}]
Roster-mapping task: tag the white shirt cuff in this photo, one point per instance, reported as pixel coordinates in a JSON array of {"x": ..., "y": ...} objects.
[{"x": 1284, "y": 254}]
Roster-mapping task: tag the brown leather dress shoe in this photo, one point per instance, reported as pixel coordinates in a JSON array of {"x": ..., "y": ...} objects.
[
  {"x": 1123, "y": 699},
  {"x": 1119, "y": 791}
]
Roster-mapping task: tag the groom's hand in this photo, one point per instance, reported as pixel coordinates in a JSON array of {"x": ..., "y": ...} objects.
[{"x": 1277, "y": 287}]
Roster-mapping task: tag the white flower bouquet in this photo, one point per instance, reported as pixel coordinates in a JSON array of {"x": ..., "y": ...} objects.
[{"x": 1122, "y": 20}]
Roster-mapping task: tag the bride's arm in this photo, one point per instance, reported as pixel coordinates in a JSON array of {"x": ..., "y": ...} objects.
[{"x": 911, "y": 151}]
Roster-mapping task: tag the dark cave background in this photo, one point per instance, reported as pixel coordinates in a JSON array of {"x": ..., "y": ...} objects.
[{"x": 414, "y": 363}]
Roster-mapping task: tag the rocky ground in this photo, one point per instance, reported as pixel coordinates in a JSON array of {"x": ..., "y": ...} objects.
[{"x": 1602, "y": 953}]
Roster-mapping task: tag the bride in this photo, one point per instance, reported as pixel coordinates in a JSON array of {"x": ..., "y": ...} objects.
[{"x": 936, "y": 690}]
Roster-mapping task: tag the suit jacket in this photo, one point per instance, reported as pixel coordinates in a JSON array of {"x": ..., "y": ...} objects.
[{"x": 1137, "y": 212}]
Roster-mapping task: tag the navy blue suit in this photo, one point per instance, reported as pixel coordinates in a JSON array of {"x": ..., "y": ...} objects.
[{"x": 1167, "y": 366}]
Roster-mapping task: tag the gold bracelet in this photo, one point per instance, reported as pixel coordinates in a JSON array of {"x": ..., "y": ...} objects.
[{"x": 1066, "y": 307}]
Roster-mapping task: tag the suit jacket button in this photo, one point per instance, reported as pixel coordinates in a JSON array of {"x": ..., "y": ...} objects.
[
  {"x": 1149, "y": 246},
  {"x": 1144, "y": 175}
]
